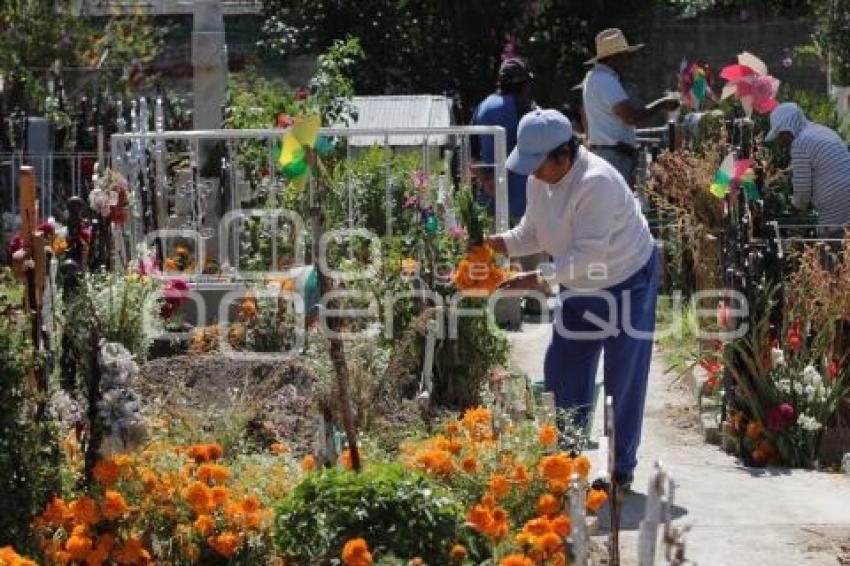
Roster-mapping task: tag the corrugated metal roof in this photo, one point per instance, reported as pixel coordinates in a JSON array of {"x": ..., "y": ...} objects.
[{"x": 406, "y": 111}]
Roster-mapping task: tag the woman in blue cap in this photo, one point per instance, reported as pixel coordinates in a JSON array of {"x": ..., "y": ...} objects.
[{"x": 581, "y": 212}]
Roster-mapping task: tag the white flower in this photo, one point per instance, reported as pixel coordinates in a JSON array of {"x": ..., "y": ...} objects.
[
  {"x": 798, "y": 388},
  {"x": 810, "y": 392},
  {"x": 811, "y": 375},
  {"x": 777, "y": 357},
  {"x": 808, "y": 423},
  {"x": 784, "y": 386}
]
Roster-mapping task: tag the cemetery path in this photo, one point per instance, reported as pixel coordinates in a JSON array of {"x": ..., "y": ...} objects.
[{"x": 737, "y": 515}]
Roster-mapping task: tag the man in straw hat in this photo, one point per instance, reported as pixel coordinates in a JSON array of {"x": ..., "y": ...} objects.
[{"x": 610, "y": 113}]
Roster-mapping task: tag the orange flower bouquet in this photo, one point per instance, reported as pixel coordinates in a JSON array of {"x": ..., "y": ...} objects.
[{"x": 478, "y": 271}]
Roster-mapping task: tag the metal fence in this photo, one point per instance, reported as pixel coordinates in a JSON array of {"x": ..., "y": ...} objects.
[
  {"x": 147, "y": 158},
  {"x": 59, "y": 176}
]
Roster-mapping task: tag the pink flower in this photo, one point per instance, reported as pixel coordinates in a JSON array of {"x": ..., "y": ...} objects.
[
  {"x": 14, "y": 245},
  {"x": 175, "y": 294},
  {"x": 780, "y": 416},
  {"x": 86, "y": 234},
  {"x": 419, "y": 179},
  {"x": 458, "y": 233},
  {"x": 411, "y": 201}
]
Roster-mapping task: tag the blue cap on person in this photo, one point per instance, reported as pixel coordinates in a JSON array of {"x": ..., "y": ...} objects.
[{"x": 539, "y": 132}]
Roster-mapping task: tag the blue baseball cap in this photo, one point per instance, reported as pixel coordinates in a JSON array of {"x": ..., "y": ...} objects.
[{"x": 539, "y": 132}]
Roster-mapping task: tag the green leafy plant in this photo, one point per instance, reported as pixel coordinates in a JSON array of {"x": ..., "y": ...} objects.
[{"x": 396, "y": 511}]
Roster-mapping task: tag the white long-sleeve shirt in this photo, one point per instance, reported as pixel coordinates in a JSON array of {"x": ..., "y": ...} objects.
[{"x": 589, "y": 222}]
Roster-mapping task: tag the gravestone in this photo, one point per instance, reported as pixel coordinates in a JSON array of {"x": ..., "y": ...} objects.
[{"x": 209, "y": 60}]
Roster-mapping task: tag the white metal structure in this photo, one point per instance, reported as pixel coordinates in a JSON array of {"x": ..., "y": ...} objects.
[{"x": 141, "y": 156}]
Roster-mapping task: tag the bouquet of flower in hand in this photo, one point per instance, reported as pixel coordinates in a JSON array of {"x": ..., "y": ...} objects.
[
  {"x": 110, "y": 196},
  {"x": 478, "y": 270}
]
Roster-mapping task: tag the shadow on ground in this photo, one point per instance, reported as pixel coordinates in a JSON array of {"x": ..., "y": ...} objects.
[{"x": 632, "y": 512}]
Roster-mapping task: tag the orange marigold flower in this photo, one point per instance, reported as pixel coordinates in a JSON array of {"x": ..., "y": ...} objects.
[
  {"x": 106, "y": 472},
  {"x": 78, "y": 545},
  {"x": 562, "y": 525},
  {"x": 122, "y": 460},
  {"x": 455, "y": 446},
  {"x": 548, "y": 505},
  {"x": 250, "y": 504},
  {"x": 499, "y": 486},
  {"x": 437, "y": 462},
  {"x": 537, "y": 527},
  {"x": 458, "y": 553},
  {"x": 181, "y": 251},
  {"x": 225, "y": 544},
  {"x": 346, "y": 460},
  {"x": 105, "y": 542},
  {"x": 308, "y": 463},
  {"x": 547, "y": 435},
  {"x": 452, "y": 429},
  {"x": 170, "y": 265},
  {"x": 480, "y": 518},
  {"x": 84, "y": 510},
  {"x": 199, "y": 497},
  {"x": 469, "y": 464},
  {"x": 516, "y": 560},
  {"x": 558, "y": 487},
  {"x": 582, "y": 466},
  {"x": 558, "y": 467},
  {"x": 204, "y": 524},
  {"x": 113, "y": 505},
  {"x": 220, "y": 495},
  {"x": 488, "y": 501},
  {"x": 356, "y": 553},
  {"x": 208, "y": 473},
  {"x": 521, "y": 474},
  {"x": 477, "y": 422},
  {"x": 132, "y": 552},
  {"x": 596, "y": 499},
  {"x": 549, "y": 543},
  {"x": 56, "y": 513},
  {"x": 278, "y": 448}
]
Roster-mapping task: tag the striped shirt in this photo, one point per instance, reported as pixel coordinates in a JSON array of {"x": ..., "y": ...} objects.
[{"x": 820, "y": 168}]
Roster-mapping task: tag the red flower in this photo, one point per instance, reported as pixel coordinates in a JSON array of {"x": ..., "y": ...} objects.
[
  {"x": 86, "y": 234},
  {"x": 175, "y": 294},
  {"x": 780, "y": 416},
  {"x": 833, "y": 371},
  {"x": 46, "y": 227},
  {"x": 794, "y": 338},
  {"x": 15, "y": 244},
  {"x": 301, "y": 94}
]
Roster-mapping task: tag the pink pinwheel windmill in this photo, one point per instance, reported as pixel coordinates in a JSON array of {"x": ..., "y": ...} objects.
[{"x": 750, "y": 83}]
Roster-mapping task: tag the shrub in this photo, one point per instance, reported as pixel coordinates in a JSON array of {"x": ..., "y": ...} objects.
[{"x": 396, "y": 511}]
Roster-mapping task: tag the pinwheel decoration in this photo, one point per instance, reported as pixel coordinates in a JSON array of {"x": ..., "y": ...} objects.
[
  {"x": 303, "y": 135},
  {"x": 735, "y": 174},
  {"x": 749, "y": 82},
  {"x": 695, "y": 84}
]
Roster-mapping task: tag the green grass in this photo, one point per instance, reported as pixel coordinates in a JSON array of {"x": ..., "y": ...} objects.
[{"x": 676, "y": 322}]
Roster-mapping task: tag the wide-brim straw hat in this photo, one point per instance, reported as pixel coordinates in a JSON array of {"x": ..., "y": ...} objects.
[{"x": 612, "y": 42}]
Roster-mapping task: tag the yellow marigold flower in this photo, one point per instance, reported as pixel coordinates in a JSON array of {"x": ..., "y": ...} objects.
[
  {"x": 547, "y": 435},
  {"x": 499, "y": 486},
  {"x": 113, "y": 505},
  {"x": 409, "y": 267},
  {"x": 458, "y": 553},
  {"x": 596, "y": 499},
  {"x": 356, "y": 553},
  {"x": 59, "y": 245}
]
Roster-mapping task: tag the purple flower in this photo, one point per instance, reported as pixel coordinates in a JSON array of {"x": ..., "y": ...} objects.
[
  {"x": 780, "y": 416},
  {"x": 427, "y": 213},
  {"x": 411, "y": 201},
  {"x": 787, "y": 61}
]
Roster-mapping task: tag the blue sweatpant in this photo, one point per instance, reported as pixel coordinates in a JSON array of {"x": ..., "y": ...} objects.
[{"x": 571, "y": 361}]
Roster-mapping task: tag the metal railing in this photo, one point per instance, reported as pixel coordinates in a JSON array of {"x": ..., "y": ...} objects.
[
  {"x": 163, "y": 7},
  {"x": 143, "y": 155},
  {"x": 59, "y": 176}
]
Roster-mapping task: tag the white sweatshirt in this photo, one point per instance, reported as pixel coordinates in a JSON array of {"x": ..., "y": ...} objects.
[{"x": 589, "y": 222}]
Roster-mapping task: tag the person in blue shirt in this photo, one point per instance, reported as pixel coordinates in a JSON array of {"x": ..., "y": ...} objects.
[{"x": 504, "y": 107}]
